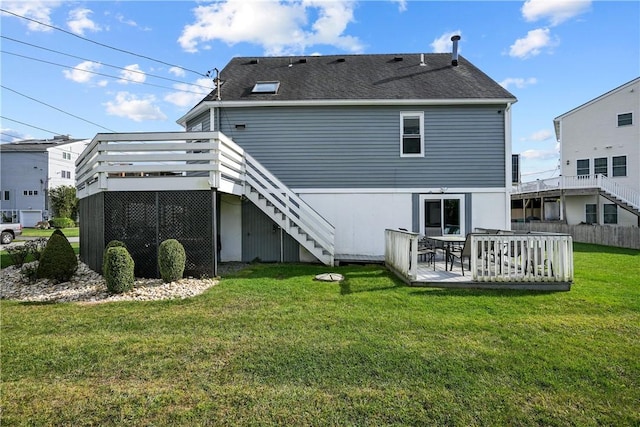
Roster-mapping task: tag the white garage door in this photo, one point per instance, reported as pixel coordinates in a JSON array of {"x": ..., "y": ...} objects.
[{"x": 30, "y": 218}]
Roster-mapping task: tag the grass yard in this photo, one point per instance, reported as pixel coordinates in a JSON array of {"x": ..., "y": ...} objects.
[
  {"x": 270, "y": 346},
  {"x": 34, "y": 232}
]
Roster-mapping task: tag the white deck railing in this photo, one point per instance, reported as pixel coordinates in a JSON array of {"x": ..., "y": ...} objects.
[
  {"x": 164, "y": 161},
  {"x": 611, "y": 186},
  {"x": 401, "y": 253},
  {"x": 502, "y": 258}
]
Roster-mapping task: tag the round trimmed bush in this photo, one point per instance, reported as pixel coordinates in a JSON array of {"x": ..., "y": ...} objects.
[
  {"x": 111, "y": 244},
  {"x": 118, "y": 268},
  {"x": 171, "y": 260},
  {"x": 58, "y": 261}
]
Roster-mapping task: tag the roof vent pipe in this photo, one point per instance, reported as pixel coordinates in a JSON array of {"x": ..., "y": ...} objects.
[
  {"x": 422, "y": 64},
  {"x": 454, "y": 53}
]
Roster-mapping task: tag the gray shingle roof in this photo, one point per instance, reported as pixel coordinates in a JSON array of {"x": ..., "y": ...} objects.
[
  {"x": 358, "y": 77},
  {"x": 35, "y": 145}
]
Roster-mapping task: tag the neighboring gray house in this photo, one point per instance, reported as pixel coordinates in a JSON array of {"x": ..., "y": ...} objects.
[
  {"x": 29, "y": 169},
  {"x": 356, "y": 143}
]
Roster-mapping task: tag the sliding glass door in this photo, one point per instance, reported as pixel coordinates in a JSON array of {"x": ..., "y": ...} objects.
[{"x": 442, "y": 214}]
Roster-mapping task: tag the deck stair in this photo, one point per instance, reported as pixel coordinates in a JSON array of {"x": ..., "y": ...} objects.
[{"x": 289, "y": 211}]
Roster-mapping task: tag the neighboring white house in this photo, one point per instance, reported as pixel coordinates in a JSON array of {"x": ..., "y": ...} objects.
[
  {"x": 600, "y": 163},
  {"x": 29, "y": 169}
]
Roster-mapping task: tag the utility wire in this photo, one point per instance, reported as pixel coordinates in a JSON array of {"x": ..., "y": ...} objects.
[
  {"x": 102, "y": 44},
  {"x": 11, "y": 136},
  {"x": 102, "y": 63},
  {"x": 56, "y": 108},
  {"x": 31, "y": 126},
  {"x": 100, "y": 74}
]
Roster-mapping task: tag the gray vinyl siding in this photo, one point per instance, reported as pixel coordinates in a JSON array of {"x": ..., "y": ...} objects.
[
  {"x": 337, "y": 147},
  {"x": 204, "y": 119}
]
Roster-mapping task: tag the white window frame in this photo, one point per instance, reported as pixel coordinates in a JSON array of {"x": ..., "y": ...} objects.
[
  {"x": 412, "y": 114},
  {"x": 460, "y": 197}
]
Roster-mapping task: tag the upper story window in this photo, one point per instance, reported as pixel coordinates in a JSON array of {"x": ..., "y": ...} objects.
[
  {"x": 625, "y": 119},
  {"x": 30, "y": 192},
  {"x": 600, "y": 166},
  {"x": 412, "y": 134},
  {"x": 6, "y": 195},
  {"x": 619, "y": 166},
  {"x": 582, "y": 167},
  {"x": 66, "y": 156},
  {"x": 266, "y": 87},
  {"x": 66, "y": 174}
]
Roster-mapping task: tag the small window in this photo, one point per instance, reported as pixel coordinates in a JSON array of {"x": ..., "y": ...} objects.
[
  {"x": 66, "y": 156},
  {"x": 515, "y": 168},
  {"x": 266, "y": 87},
  {"x": 6, "y": 195},
  {"x": 591, "y": 213},
  {"x": 619, "y": 166},
  {"x": 411, "y": 134},
  {"x": 610, "y": 214},
  {"x": 625, "y": 119},
  {"x": 600, "y": 166},
  {"x": 582, "y": 167}
]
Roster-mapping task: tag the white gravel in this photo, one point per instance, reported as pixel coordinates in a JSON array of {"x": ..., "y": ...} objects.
[{"x": 87, "y": 286}]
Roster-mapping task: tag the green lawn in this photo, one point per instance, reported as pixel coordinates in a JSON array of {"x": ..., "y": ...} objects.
[
  {"x": 34, "y": 232},
  {"x": 270, "y": 346}
]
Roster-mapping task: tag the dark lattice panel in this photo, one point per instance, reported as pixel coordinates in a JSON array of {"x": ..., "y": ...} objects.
[
  {"x": 91, "y": 211},
  {"x": 142, "y": 220},
  {"x": 187, "y": 216}
]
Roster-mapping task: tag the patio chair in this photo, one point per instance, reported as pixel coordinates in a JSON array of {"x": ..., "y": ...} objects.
[
  {"x": 461, "y": 254},
  {"x": 426, "y": 252}
]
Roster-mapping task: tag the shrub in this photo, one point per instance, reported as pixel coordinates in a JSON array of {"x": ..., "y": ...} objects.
[
  {"x": 18, "y": 254},
  {"x": 43, "y": 225},
  {"x": 171, "y": 260},
  {"x": 111, "y": 244},
  {"x": 118, "y": 267},
  {"x": 29, "y": 272},
  {"x": 35, "y": 247},
  {"x": 62, "y": 222},
  {"x": 58, "y": 261}
]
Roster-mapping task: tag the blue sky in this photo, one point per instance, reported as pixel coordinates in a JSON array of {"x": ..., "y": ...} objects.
[{"x": 552, "y": 55}]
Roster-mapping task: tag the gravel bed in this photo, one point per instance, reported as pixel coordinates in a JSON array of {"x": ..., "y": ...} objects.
[{"x": 87, "y": 286}]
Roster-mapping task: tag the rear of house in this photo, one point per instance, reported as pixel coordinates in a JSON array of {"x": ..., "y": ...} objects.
[
  {"x": 360, "y": 143},
  {"x": 369, "y": 141}
]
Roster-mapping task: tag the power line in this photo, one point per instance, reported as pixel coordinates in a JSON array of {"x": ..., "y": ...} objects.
[
  {"x": 31, "y": 126},
  {"x": 102, "y": 44},
  {"x": 102, "y": 63},
  {"x": 11, "y": 136},
  {"x": 99, "y": 74},
  {"x": 56, "y": 108}
]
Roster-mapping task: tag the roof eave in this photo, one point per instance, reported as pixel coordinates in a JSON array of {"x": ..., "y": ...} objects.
[{"x": 206, "y": 105}]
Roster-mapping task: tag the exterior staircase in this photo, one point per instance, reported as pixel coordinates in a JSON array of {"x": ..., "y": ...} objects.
[
  {"x": 289, "y": 211},
  {"x": 621, "y": 202}
]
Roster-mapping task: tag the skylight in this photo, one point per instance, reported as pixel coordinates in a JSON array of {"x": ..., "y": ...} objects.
[{"x": 266, "y": 87}]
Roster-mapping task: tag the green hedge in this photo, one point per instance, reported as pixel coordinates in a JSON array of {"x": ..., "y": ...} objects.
[
  {"x": 58, "y": 261},
  {"x": 62, "y": 223},
  {"x": 118, "y": 270},
  {"x": 171, "y": 260}
]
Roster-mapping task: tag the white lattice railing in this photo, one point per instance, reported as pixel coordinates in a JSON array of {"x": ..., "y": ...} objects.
[{"x": 611, "y": 186}]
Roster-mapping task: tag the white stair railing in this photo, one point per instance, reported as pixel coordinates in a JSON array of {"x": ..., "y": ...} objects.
[
  {"x": 621, "y": 192},
  {"x": 289, "y": 211}
]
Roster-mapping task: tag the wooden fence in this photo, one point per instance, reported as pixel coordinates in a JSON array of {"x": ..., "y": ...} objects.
[{"x": 607, "y": 235}]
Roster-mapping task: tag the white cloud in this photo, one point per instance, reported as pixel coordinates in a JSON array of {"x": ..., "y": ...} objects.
[
  {"x": 443, "y": 44},
  {"x": 557, "y": 11},
  {"x": 37, "y": 10},
  {"x": 132, "y": 107},
  {"x": 11, "y": 135},
  {"x": 82, "y": 73},
  {"x": 539, "y": 154},
  {"x": 177, "y": 71},
  {"x": 402, "y": 5},
  {"x": 187, "y": 95},
  {"x": 532, "y": 44},
  {"x": 279, "y": 27},
  {"x": 132, "y": 74},
  {"x": 539, "y": 136},
  {"x": 518, "y": 82},
  {"x": 79, "y": 21}
]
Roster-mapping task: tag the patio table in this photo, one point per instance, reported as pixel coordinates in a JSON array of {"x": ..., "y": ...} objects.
[{"x": 447, "y": 241}]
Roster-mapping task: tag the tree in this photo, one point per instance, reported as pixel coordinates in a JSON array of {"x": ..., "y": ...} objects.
[{"x": 64, "y": 202}]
